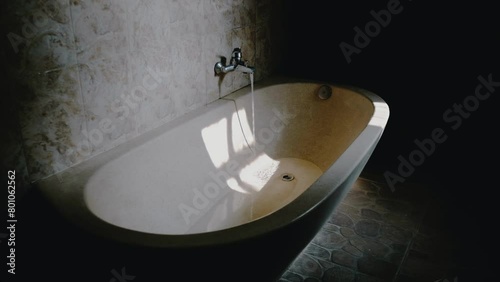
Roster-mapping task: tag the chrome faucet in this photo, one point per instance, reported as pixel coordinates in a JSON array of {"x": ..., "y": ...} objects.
[{"x": 235, "y": 64}]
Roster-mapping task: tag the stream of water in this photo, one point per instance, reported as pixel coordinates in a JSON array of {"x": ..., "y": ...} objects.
[{"x": 253, "y": 107}]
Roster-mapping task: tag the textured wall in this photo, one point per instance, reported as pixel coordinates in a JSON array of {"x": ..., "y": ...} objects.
[{"x": 90, "y": 75}]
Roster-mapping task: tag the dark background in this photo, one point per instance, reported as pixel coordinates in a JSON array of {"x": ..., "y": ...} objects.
[{"x": 427, "y": 59}]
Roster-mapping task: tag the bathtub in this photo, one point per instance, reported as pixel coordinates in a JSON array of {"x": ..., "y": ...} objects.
[{"x": 234, "y": 190}]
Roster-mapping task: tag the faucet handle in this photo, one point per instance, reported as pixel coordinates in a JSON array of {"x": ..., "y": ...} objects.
[{"x": 236, "y": 56}]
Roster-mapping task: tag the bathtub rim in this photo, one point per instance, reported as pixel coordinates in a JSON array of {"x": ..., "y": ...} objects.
[{"x": 71, "y": 204}]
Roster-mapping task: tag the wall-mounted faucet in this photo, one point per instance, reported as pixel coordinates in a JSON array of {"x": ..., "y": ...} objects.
[{"x": 235, "y": 64}]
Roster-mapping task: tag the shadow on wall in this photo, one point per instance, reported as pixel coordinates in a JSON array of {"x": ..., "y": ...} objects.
[{"x": 11, "y": 150}]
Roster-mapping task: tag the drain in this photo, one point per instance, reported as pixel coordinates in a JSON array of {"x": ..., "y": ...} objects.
[
  {"x": 324, "y": 92},
  {"x": 287, "y": 177}
]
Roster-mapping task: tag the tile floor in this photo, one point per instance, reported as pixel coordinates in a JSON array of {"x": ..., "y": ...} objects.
[{"x": 379, "y": 235}]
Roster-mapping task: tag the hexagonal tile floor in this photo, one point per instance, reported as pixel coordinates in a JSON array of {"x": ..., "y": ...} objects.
[{"x": 379, "y": 235}]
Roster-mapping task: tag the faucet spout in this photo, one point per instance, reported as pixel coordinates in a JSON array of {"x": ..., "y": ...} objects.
[{"x": 244, "y": 69}]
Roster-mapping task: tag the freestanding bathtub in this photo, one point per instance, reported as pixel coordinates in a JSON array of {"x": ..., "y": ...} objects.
[{"x": 233, "y": 191}]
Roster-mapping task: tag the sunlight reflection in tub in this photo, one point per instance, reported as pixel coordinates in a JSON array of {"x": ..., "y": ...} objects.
[
  {"x": 252, "y": 173},
  {"x": 216, "y": 142},
  {"x": 249, "y": 172},
  {"x": 258, "y": 173}
]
